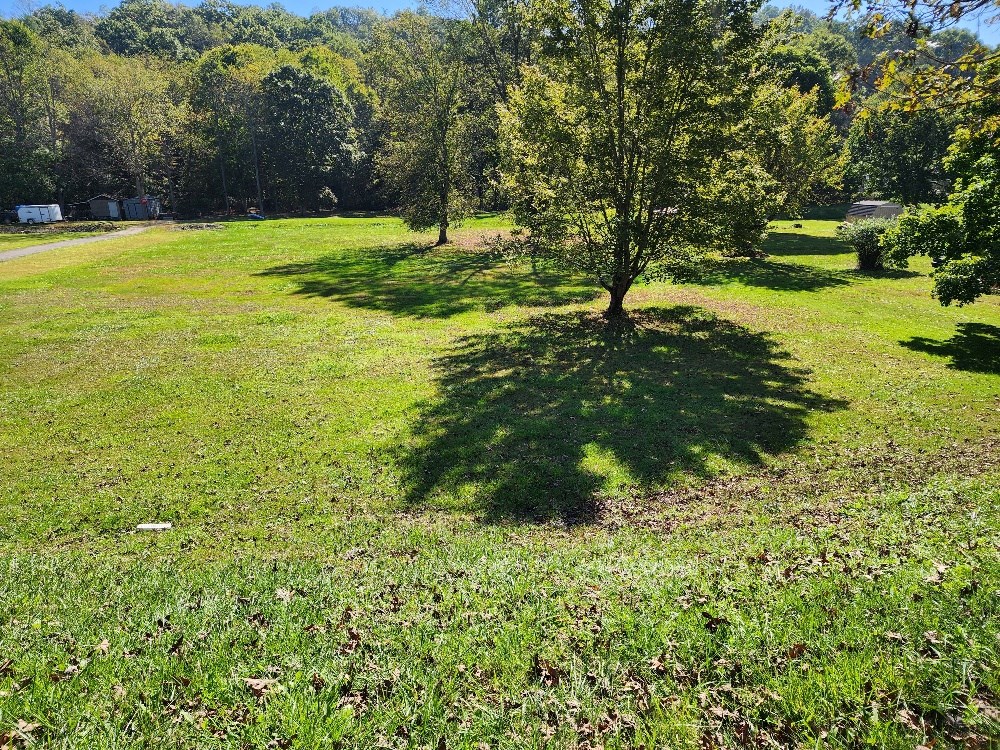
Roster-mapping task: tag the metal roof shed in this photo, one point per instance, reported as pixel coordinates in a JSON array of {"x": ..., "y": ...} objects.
[
  {"x": 873, "y": 210},
  {"x": 142, "y": 208}
]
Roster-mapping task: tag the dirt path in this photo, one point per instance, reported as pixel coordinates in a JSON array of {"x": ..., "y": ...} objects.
[{"x": 32, "y": 249}]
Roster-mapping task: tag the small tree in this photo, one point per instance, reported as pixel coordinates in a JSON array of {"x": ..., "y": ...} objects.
[
  {"x": 866, "y": 237},
  {"x": 617, "y": 141},
  {"x": 423, "y": 71}
]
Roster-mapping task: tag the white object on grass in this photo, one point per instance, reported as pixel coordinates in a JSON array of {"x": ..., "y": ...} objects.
[{"x": 153, "y": 527}]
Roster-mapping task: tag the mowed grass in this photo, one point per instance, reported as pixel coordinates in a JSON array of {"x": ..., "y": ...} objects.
[
  {"x": 14, "y": 241},
  {"x": 422, "y": 498}
]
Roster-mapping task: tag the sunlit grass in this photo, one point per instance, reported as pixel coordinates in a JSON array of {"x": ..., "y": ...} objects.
[{"x": 432, "y": 495}]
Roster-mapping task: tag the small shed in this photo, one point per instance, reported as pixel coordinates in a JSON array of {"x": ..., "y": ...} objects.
[
  {"x": 143, "y": 208},
  {"x": 104, "y": 207},
  {"x": 873, "y": 210}
]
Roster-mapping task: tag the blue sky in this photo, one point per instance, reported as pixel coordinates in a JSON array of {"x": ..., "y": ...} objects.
[{"x": 989, "y": 34}]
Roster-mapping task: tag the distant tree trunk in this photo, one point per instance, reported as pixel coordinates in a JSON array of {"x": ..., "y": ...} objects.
[
  {"x": 225, "y": 187},
  {"x": 618, "y": 288},
  {"x": 256, "y": 172},
  {"x": 445, "y": 190},
  {"x": 443, "y": 229}
]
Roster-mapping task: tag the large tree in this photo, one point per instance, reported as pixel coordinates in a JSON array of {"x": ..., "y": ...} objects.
[
  {"x": 308, "y": 142},
  {"x": 898, "y": 155},
  {"x": 620, "y": 137},
  {"x": 423, "y": 70},
  {"x": 796, "y": 145},
  {"x": 25, "y": 152},
  {"x": 804, "y": 67},
  {"x": 226, "y": 85},
  {"x": 123, "y": 113}
]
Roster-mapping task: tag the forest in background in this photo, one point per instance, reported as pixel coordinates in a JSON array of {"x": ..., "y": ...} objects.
[{"x": 221, "y": 106}]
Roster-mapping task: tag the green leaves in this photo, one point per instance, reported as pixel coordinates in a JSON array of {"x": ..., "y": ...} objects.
[
  {"x": 427, "y": 84},
  {"x": 613, "y": 138},
  {"x": 866, "y": 237}
]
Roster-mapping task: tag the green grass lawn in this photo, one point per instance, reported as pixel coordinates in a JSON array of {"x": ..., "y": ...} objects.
[
  {"x": 14, "y": 241},
  {"x": 423, "y": 498}
]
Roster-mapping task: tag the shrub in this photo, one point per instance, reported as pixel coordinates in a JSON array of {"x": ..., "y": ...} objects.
[
  {"x": 865, "y": 237},
  {"x": 937, "y": 232},
  {"x": 90, "y": 226},
  {"x": 327, "y": 199}
]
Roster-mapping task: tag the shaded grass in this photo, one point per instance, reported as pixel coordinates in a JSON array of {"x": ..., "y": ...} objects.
[
  {"x": 536, "y": 419},
  {"x": 414, "y": 280},
  {"x": 431, "y": 496},
  {"x": 974, "y": 347}
]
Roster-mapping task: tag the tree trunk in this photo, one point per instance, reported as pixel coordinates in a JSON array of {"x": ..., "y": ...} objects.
[
  {"x": 225, "y": 187},
  {"x": 618, "y": 290},
  {"x": 443, "y": 222},
  {"x": 256, "y": 173},
  {"x": 444, "y": 189}
]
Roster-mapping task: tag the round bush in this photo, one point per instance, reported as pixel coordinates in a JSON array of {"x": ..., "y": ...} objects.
[{"x": 865, "y": 237}]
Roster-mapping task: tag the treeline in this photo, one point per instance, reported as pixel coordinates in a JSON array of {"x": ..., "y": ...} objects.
[{"x": 224, "y": 107}]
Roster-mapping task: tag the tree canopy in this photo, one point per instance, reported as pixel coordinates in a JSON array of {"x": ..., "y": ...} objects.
[{"x": 617, "y": 136}]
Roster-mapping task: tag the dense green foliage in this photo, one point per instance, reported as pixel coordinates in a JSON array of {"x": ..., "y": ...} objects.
[
  {"x": 941, "y": 69},
  {"x": 620, "y": 141},
  {"x": 962, "y": 235},
  {"x": 899, "y": 155}
]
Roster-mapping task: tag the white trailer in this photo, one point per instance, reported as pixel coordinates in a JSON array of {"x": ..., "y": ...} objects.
[{"x": 39, "y": 214}]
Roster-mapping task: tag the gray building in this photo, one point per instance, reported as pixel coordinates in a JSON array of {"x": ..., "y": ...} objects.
[
  {"x": 105, "y": 207},
  {"x": 873, "y": 210},
  {"x": 143, "y": 208}
]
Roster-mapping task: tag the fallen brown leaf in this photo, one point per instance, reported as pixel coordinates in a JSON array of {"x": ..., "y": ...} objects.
[
  {"x": 658, "y": 665},
  {"x": 713, "y": 623},
  {"x": 260, "y": 686},
  {"x": 795, "y": 651},
  {"x": 549, "y": 674},
  {"x": 908, "y": 719},
  {"x": 353, "y": 641}
]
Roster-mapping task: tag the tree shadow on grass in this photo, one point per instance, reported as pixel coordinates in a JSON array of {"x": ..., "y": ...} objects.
[
  {"x": 418, "y": 280},
  {"x": 793, "y": 243},
  {"x": 975, "y": 347},
  {"x": 784, "y": 277},
  {"x": 784, "y": 244},
  {"x": 533, "y": 419}
]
